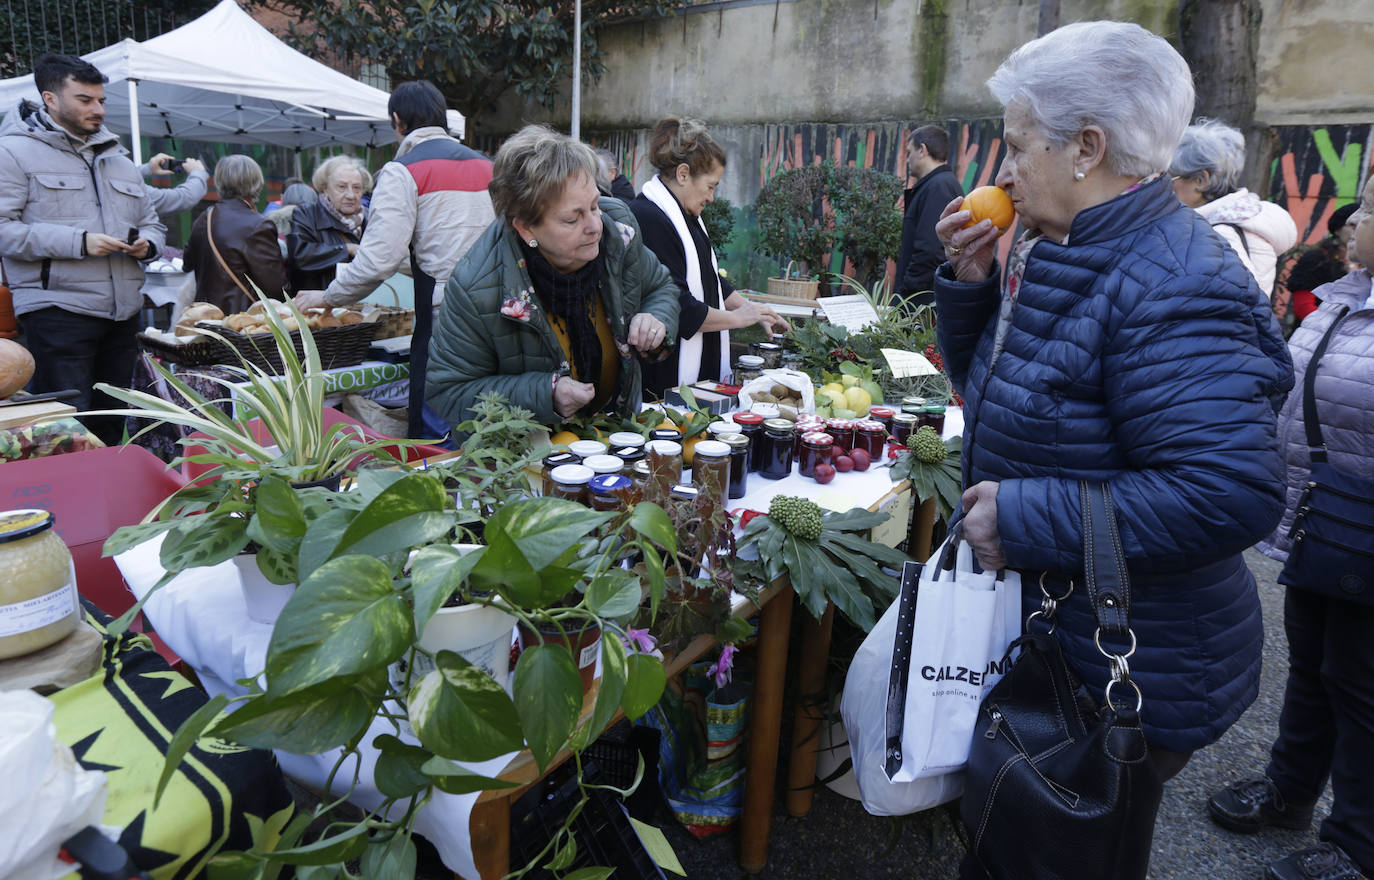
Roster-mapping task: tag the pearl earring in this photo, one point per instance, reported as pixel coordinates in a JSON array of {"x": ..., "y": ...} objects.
[
  {"x": 534, "y": 243},
  {"x": 1079, "y": 175}
]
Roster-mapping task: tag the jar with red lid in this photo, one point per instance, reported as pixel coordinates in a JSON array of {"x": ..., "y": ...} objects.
[
  {"x": 751, "y": 426},
  {"x": 813, "y": 449},
  {"x": 870, "y": 436},
  {"x": 842, "y": 430},
  {"x": 883, "y": 415},
  {"x": 903, "y": 426}
]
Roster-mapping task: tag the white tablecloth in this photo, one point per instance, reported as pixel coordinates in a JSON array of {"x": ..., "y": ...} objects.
[{"x": 202, "y": 617}]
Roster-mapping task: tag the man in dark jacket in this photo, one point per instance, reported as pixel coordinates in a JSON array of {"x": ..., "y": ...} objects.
[
  {"x": 75, "y": 226},
  {"x": 936, "y": 185}
]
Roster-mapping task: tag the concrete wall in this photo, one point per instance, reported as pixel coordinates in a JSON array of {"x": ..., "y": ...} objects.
[{"x": 1314, "y": 62}]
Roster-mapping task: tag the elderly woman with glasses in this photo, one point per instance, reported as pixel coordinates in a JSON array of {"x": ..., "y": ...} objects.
[
  {"x": 1129, "y": 346},
  {"x": 1206, "y": 173},
  {"x": 555, "y": 299},
  {"x": 326, "y": 231}
]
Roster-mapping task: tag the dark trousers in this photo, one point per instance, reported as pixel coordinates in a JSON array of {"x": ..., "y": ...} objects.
[
  {"x": 77, "y": 351},
  {"x": 1326, "y": 727}
]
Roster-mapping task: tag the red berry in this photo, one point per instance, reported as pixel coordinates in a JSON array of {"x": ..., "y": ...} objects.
[
  {"x": 843, "y": 463},
  {"x": 824, "y": 473},
  {"x": 861, "y": 460}
]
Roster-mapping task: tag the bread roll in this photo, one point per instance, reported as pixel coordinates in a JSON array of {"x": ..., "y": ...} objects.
[
  {"x": 184, "y": 330},
  {"x": 256, "y": 308},
  {"x": 201, "y": 311},
  {"x": 239, "y": 321},
  {"x": 326, "y": 321},
  {"x": 290, "y": 323},
  {"x": 350, "y": 317}
]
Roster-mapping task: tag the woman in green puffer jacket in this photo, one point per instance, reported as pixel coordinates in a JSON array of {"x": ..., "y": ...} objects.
[{"x": 551, "y": 303}]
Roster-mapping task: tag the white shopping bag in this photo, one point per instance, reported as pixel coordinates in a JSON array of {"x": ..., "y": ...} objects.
[{"x": 908, "y": 709}]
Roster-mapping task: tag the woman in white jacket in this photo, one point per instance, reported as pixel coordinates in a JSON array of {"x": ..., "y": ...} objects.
[{"x": 1206, "y": 170}]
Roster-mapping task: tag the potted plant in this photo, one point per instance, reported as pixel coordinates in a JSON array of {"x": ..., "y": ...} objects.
[
  {"x": 215, "y": 517},
  {"x": 368, "y": 586}
]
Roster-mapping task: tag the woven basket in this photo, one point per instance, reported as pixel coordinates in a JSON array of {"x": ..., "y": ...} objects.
[
  {"x": 792, "y": 288},
  {"x": 338, "y": 346},
  {"x": 393, "y": 321},
  {"x": 199, "y": 352}
]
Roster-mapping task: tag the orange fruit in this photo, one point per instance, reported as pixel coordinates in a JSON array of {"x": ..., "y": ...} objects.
[
  {"x": 563, "y": 438},
  {"x": 689, "y": 448},
  {"x": 990, "y": 203}
]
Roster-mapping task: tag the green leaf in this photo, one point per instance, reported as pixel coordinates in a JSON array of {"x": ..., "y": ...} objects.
[
  {"x": 563, "y": 859},
  {"x": 421, "y": 528},
  {"x": 278, "y": 519},
  {"x": 657, "y": 846},
  {"x": 543, "y": 529},
  {"x": 309, "y": 721},
  {"x": 460, "y": 712},
  {"x": 504, "y": 569},
  {"x": 436, "y": 573},
  {"x": 614, "y": 674},
  {"x": 320, "y": 872},
  {"x": 453, "y": 778},
  {"x": 203, "y": 541},
  {"x": 548, "y": 696},
  {"x": 392, "y": 858},
  {"x": 615, "y": 594},
  {"x": 345, "y": 618},
  {"x": 652, "y": 522},
  {"x": 643, "y": 686},
  {"x": 186, "y": 736},
  {"x": 413, "y": 494},
  {"x": 399, "y": 772},
  {"x": 373, "y": 481},
  {"x": 128, "y": 537},
  {"x": 278, "y": 568},
  {"x": 321, "y": 537},
  {"x": 348, "y": 844},
  {"x": 653, "y": 565},
  {"x": 237, "y": 866},
  {"x": 590, "y": 874}
]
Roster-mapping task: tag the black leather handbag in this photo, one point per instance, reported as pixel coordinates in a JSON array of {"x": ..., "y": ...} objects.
[
  {"x": 1059, "y": 786},
  {"x": 1332, "y": 536}
]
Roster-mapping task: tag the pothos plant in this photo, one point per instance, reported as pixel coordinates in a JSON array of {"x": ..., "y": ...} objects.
[
  {"x": 369, "y": 579},
  {"x": 827, "y": 555}
]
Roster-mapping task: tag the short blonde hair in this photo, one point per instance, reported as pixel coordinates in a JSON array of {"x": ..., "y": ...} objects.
[
  {"x": 532, "y": 168},
  {"x": 238, "y": 177},
  {"x": 333, "y": 165}
]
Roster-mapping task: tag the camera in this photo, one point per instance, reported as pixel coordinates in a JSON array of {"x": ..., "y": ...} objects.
[{"x": 177, "y": 166}]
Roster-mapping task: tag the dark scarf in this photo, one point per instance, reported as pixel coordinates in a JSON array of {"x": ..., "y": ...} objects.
[{"x": 571, "y": 298}]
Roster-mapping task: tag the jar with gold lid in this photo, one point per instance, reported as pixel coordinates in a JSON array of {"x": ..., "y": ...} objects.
[{"x": 38, "y": 598}]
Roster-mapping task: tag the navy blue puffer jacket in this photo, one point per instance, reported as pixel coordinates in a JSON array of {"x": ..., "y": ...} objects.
[{"x": 1143, "y": 355}]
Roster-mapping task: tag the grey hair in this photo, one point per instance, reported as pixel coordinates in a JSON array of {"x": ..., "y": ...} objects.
[
  {"x": 1214, "y": 147},
  {"x": 605, "y": 161},
  {"x": 532, "y": 168},
  {"x": 238, "y": 177},
  {"x": 333, "y": 165},
  {"x": 1115, "y": 75}
]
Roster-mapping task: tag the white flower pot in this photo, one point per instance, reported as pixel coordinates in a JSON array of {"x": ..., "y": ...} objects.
[{"x": 264, "y": 599}]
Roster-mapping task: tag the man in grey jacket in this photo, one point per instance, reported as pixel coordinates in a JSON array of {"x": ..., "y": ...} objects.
[
  {"x": 75, "y": 228},
  {"x": 429, "y": 204}
]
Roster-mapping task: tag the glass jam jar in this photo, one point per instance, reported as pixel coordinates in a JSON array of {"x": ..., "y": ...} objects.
[
  {"x": 870, "y": 436},
  {"x": 670, "y": 449},
  {"x": 770, "y": 352},
  {"x": 639, "y": 474},
  {"x": 604, "y": 464},
  {"x": 584, "y": 449},
  {"x": 792, "y": 360},
  {"x": 914, "y": 405},
  {"x": 766, "y": 411},
  {"x": 739, "y": 463},
  {"x": 842, "y": 430},
  {"x": 813, "y": 449},
  {"x": 711, "y": 468},
  {"x": 605, "y": 489},
  {"x": 719, "y": 428},
  {"x": 774, "y": 449},
  {"x": 570, "y": 482},
  {"x": 630, "y": 455},
  {"x": 38, "y": 599},
  {"x": 882, "y": 415},
  {"x": 747, "y": 368},
  {"x": 621, "y": 439},
  {"x": 665, "y": 434},
  {"x": 935, "y": 417},
  {"x": 751, "y": 426},
  {"x": 903, "y": 426},
  {"x": 548, "y": 464}
]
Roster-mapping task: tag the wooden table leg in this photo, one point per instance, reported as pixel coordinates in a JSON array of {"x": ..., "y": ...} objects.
[
  {"x": 811, "y": 709},
  {"x": 489, "y": 826},
  {"x": 765, "y": 729},
  {"x": 922, "y": 527}
]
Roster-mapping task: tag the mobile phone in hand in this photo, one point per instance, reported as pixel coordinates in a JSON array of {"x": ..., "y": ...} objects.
[
  {"x": 133, "y": 235},
  {"x": 177, "y": 166}
]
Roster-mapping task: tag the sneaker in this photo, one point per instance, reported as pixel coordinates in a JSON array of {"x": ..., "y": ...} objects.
[
  {"x": 1257, "y": 803},
  {"x": 1325, "y": 861}
]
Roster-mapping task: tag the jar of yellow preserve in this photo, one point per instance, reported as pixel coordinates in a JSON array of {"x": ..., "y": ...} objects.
[{"x": 38, "y": 600}]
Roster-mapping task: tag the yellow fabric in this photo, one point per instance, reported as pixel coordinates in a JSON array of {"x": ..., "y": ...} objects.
[{"x": 610, "y": 357}]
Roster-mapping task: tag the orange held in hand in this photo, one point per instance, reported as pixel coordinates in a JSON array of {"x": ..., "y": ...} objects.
[{"x": 990, "y": 203}]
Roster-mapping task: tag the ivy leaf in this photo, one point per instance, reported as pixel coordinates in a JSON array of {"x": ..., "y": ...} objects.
[
  {"x": 278, "y": 518},
  {"x": 453, "y": 778},
  {"x": 309, "y": 721},
  {"x": 436, "y": 574},
  {"x": 548, "y": 696},
  {"x": 460, "y": 712},
  {"x": 643, "y": 686},
  {"x": 400, "y": 767},
  {"x": 543, "y": 529},
  {"x": 392, "y": 858}
]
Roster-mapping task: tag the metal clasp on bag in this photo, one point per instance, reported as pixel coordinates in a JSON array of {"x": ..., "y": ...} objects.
[
  {"x": 1049, "y": 605},
  {"x": 1121, "y": 669}
]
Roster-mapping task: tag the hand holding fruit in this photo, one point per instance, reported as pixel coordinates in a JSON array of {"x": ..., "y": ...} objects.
[{"x": 969, "y": 229}]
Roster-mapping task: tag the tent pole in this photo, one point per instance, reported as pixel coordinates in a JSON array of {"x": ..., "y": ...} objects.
[
  {"x": 576, "y": 129},
  {"x": 134, "y": 134}
]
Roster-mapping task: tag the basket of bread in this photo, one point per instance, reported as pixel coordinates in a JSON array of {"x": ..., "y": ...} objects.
[{"x": 203, "y": 334}]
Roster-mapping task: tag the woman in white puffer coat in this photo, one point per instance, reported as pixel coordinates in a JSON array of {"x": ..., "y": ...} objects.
[{"x": 1206, "y": 170}]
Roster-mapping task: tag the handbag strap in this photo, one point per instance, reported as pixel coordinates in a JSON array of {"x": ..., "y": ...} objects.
[
  {"x": 210, "y": 237},
  {"x": 1316, "y": 446},
  {"x": 1106, "y": 580}
]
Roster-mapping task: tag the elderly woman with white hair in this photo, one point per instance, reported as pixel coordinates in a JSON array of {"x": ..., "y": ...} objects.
[
  {"x": 232, "y": 247},
  {"x": 1206, "y": 171},
  {"x": 327, "y": 232},
  {"x": 1127, "y": 346}
]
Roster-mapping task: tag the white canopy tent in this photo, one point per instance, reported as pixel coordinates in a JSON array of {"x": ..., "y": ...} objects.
[{"x": 225, "y": 78}]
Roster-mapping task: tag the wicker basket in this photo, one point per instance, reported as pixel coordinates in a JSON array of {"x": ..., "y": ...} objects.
[
  {"x": 201, "y": 351},
  {"x": 344, "y": 346},
  {"x": 791, "y": 288},
  {"x": 392, "y": 321}
]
